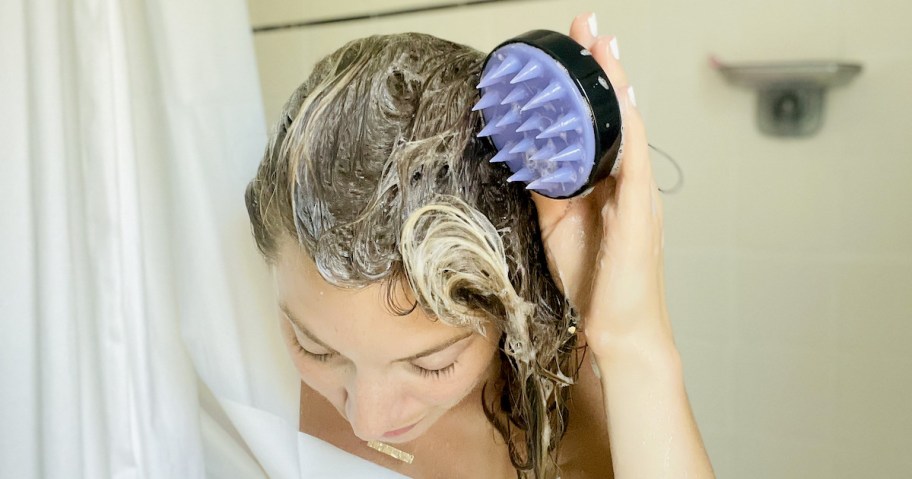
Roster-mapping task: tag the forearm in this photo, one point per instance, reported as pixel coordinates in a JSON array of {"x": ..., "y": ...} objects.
[{"x": 651, "y": 428}]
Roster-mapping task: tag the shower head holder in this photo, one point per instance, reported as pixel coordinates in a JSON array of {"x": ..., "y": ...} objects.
[{"x": 790, "y": 95}]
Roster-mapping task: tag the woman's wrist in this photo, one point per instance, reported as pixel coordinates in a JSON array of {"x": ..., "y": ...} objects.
[
  {"x": 651, "y": 426},
  {"x": 651, "y": 346}
]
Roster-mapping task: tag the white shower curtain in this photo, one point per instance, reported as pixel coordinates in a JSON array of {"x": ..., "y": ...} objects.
[{"x": 137, "y": 337}]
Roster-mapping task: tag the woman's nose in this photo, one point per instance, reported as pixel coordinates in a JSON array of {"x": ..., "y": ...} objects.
[{"x": 371, "y": 408}]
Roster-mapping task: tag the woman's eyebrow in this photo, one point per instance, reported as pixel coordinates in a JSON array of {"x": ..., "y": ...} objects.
[
  {"x": 426, "y": 352},
  {"x": 303, "y": 329},
  {"x": 438, "y": 348}
]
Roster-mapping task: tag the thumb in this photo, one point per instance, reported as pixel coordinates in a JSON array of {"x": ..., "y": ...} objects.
[{"x": 549, "y": 209}]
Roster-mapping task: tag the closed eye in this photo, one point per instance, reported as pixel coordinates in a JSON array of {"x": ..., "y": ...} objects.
[
  {"x": 424, "y": 372},
  {"x": 436, "y": 373},
  {"x": 316, "y": 357}
]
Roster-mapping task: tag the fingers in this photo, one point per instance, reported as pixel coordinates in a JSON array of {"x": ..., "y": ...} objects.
[
  {"x": 636, "y": 211},
  {"x": 603, "y": 49},
  {"x": 550, "y": 211},
  {"x": 635, "y": 178},
  {"x": 657, "y": 205},
  {"x": 634, "y": 184},
  {"x": 584, "y": 29}
]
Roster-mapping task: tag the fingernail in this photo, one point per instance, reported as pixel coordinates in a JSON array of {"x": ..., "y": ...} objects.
[
  {"x": 593, "y": 25},
  {"x": 633, "y": 98},
  {"x": 614, "y": 48}
]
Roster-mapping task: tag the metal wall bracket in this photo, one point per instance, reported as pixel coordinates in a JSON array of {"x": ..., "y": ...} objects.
[{"x": 790, "y": 95}]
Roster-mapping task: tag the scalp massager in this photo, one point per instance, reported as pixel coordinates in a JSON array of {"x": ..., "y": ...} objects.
[{"x": 551, "y": 114}]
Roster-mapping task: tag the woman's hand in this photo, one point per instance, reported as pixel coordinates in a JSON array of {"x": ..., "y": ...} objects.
[{"x": 605, "y": 249}]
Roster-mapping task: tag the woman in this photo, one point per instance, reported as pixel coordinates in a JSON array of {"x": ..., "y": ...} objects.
[{"x": 431, "y": 316}]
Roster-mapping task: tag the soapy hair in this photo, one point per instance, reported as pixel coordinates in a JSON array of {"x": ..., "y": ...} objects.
[{"x": 375, "y": 170}]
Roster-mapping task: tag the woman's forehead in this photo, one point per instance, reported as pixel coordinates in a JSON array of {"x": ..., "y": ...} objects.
[{"x": 318, "y": 304}]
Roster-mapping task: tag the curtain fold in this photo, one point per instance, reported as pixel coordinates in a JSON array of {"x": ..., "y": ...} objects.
[{"x": 132, "y": 300}]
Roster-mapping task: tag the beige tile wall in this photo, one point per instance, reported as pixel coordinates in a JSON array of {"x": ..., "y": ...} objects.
[{"x": 789, "y": 262}]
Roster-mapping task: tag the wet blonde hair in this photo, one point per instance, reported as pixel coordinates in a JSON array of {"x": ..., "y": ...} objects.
[{"x": 375, "y": 170}]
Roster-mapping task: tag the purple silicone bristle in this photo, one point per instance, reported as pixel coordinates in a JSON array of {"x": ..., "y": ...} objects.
[{"x": 539, "y": 115}]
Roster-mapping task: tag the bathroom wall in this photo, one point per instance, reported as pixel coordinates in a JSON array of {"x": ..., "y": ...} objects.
[{"x": 789, "y": 261}]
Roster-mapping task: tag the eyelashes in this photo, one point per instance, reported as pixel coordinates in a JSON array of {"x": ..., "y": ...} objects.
[
  {"x": 423, "y": 372},
  {"x": 293, "y": 341},
  {"x": 316, "y": 357},
  {"x": 436, "y": 373}
]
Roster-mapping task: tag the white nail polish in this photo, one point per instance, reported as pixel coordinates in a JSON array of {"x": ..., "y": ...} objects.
[
  {"x": 614, "y": 48},
  {"x": 633, "y": 99},
  {"x": 593, "y": 25}
]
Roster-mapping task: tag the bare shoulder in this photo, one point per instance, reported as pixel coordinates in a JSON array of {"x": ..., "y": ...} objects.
[{"x": 585, "y": 451}]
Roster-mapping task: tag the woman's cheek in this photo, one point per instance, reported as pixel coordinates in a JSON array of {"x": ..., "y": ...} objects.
[
  {"x": 315, "y": 374},
  {"x": 321, "y": 379},
  {"x": 443, "y": 392}
]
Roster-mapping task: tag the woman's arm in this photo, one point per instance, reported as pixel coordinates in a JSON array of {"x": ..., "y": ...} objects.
[
  {"x": 606, "y": 250},
  {"x": 651, "y": 428}
]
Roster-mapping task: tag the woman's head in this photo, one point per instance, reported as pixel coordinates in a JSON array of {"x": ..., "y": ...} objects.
[
  {"x": 382, "y": 370},
  {"x": 375, "y": 191}
]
